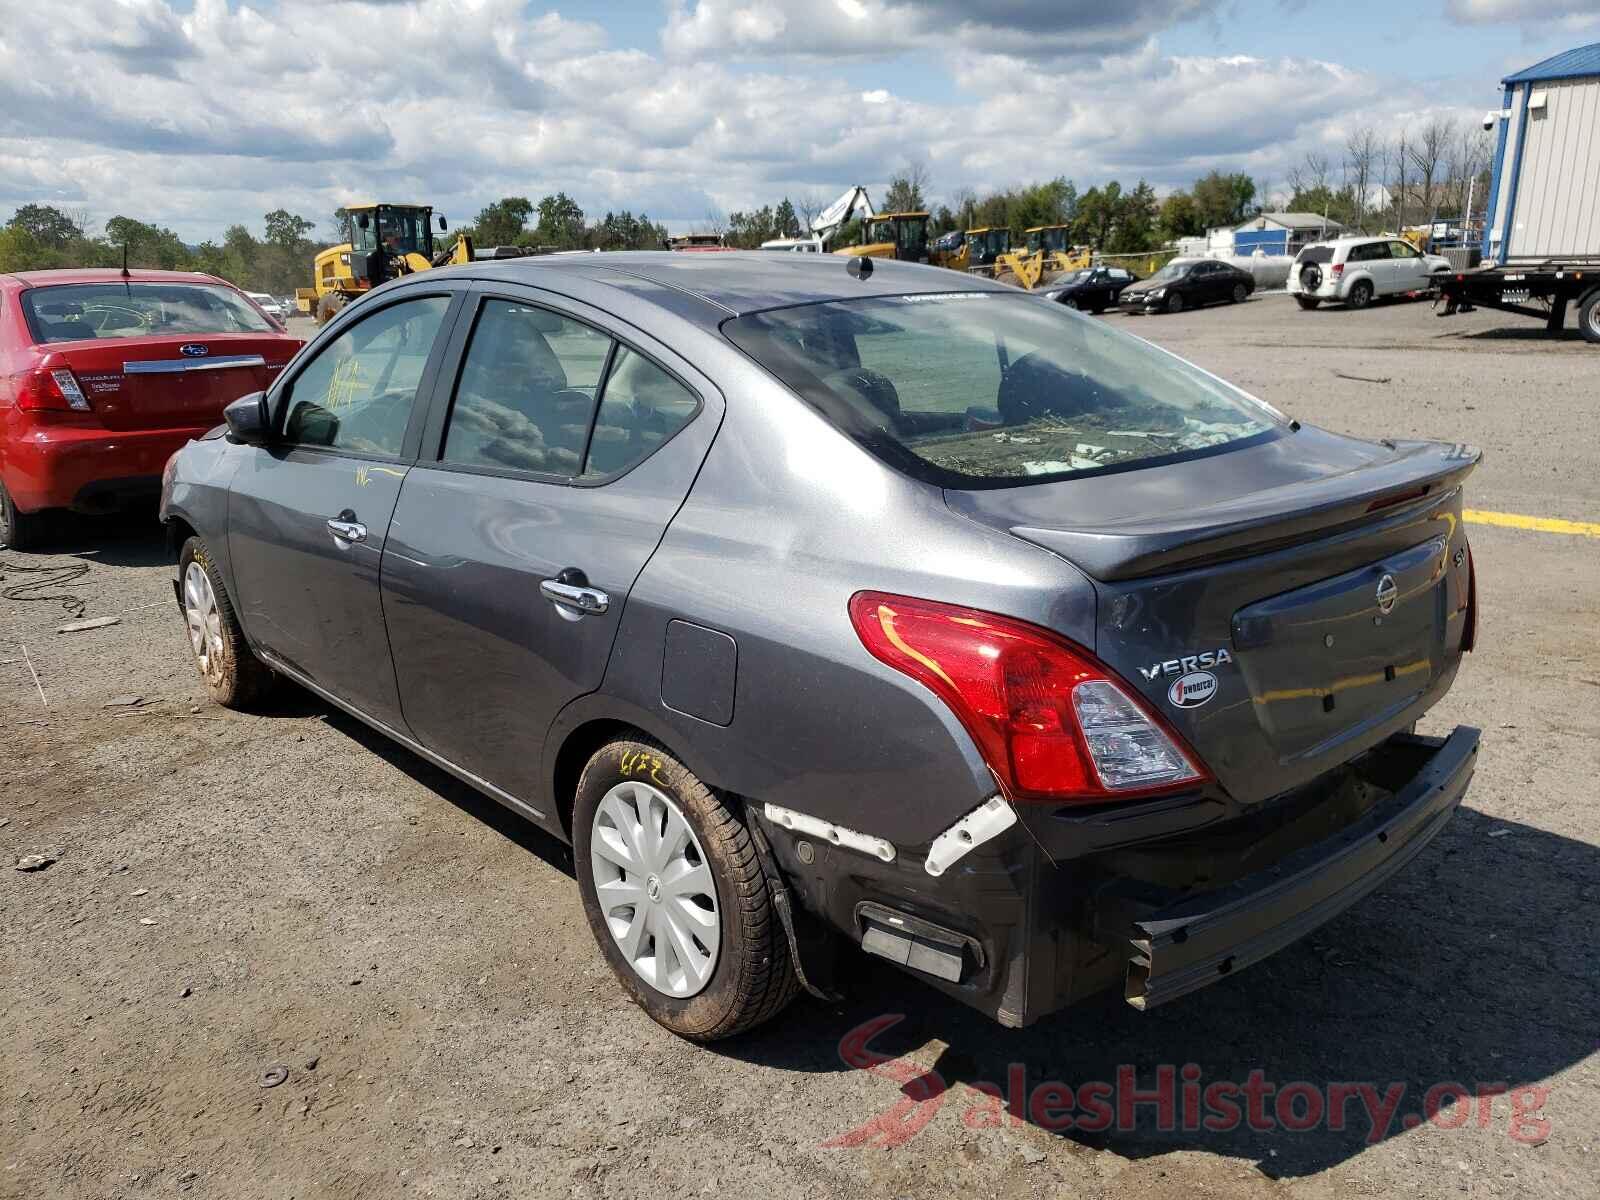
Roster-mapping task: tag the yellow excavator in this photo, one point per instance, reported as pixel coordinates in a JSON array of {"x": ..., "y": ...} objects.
[
  {"x": 902, "y": 235},
  {"x": 1049, "y": 255},
  {"x": 978, "y": 252},
  {"x": 382, "y": 242}
]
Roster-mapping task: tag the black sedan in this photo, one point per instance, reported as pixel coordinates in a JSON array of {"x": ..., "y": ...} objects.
[
  {"x": 1093, "y": 289},
  {"x": 1189, "y": 283}
]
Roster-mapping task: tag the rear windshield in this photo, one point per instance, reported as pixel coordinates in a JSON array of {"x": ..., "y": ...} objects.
[
  {"x": 74, "y": 311},
  {"x": 1316, "y": 254},
  {"x": 982, "y": 389}
]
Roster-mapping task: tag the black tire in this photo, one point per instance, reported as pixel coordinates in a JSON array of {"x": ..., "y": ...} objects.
[
  {"x": 1070, "y": 303},
  {"x": 329, "y": 306},
  {"x": 753, "y": 979},
  {"x": 1008, "y": 276},
  {"x": 1174, "y": 303},
  {"x": 1307, "y": 302},
  {"x": 1098, "y": 309},
  {"x": 18, "y": 530},
  {"x": 234, "y": 676},
  {"x": 1240, "y": 293},
  {"x": 1360, "y": 294},
  {"x": 1589, "y": 317}
]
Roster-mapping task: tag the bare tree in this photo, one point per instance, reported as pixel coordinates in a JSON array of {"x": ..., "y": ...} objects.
[
  {"x": 1469, "y": 163},
  {"x": 808, "y": 207},
  {"x": 715, "y": 222},
  {"x": 1311, "y": 174},
  {"x": 1402, "y": 158},
  {"x": 908, "y": 189},
  {"x": 1362, "y": 149},
  {"x": 1429, "y": 149}
]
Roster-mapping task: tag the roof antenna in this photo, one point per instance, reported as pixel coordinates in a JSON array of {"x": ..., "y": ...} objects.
[{"x": 125, "y": 274}]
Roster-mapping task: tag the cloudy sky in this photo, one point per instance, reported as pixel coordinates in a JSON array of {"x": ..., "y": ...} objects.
[{"x": 200, "y": 113}]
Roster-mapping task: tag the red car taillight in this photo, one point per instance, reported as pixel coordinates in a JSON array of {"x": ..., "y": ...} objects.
[
  {"x": 1469, "y": 629},
  {"x": 1054, "y": 724},
  {"x": 1338, "y": 269},
  {"x": 49, "y": 389}
]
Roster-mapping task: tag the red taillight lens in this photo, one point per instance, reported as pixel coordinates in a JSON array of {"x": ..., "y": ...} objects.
[
  {"x": 1338, "y": 268},
  {"x": 1053, "y": 722},
  {"x": 50, "y": 389},
  {"x": 1469, "y": 629}
]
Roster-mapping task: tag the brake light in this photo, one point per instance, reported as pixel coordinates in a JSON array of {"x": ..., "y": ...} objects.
[
  {"x": 1469, "y": 628},
  {"x": 1338, "y": 268},
  {"x": 1053, "y": 722},
  {"x": 50, "y": 389}
]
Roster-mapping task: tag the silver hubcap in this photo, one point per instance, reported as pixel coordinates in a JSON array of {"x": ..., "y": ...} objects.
[
  {"x": 655, "y": 888},
  {"x": 201, "y": 615}
]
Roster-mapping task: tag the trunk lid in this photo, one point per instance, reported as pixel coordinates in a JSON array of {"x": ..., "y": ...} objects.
[
  {"x": 1285, "y": 606},
  {"x": 171, "y": 382}
]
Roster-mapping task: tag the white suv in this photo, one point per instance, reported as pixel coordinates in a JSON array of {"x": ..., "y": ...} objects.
[{"x": 1356, "y": 270}]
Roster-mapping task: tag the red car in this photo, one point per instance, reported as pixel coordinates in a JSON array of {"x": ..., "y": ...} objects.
[{"x": 103, "y": 375}]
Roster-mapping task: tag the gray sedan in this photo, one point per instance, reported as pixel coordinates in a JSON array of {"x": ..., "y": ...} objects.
[{"x": 833, "y": 606}]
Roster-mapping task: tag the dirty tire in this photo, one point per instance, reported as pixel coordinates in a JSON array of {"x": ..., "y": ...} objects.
[
  {"x": 1589, "y": 317},
  {"x": 1174, "y": 303},
  {"x": 329, "y": 306},
  {"x": 1240, "y": 293},
  {"x": 18, "y": 530},
  {"x": 1008, "y": 277},
  {"x": 753, "y": 979},
  {"x": 1360, "y": 295},
  {"x": 1098, "y": 309},
  {"x": 235, "y": 677},
  {"x": 1070, "y": 303},
  {"x": 1307, "y": 302}
]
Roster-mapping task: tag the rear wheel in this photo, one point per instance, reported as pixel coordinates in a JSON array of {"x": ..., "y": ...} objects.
[
  {"x": 1360, "y": 294},
  {"x": 329, "y": 305},
  {"x": 1307, "y": 302},
  {"x": 18, "y": 530},
  {"x": 1174, "y": 303},
  {"x": 1008, "y": 276},
  {"x": 675, "y": 895},
  {"x": 1589, "y": 317},
  {"x": 232, "y": 673},
  {"x": 1240, "y": 292}
]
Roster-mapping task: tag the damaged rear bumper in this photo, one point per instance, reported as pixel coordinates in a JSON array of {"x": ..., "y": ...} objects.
[{"x": 1198, "y": 940}]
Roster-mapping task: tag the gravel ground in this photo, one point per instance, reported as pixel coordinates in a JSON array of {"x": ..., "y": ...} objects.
[{"x": 239, "y": 893}]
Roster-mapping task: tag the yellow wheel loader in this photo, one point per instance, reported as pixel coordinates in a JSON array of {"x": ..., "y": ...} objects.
[
  {"x": 382, "y": 242},
  {"x": 892, "y": 235},
  {"x": 1049, "y": 255},
  {"x": 980, "y": 249}
]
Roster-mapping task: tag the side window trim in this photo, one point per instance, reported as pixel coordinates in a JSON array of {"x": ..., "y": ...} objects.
[
  {"x": 283, "y": 389},
  {"x": 435, "y": 428}
]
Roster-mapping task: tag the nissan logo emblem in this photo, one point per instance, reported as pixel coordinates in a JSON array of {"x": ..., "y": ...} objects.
[{"x": 1388, "y": 593}]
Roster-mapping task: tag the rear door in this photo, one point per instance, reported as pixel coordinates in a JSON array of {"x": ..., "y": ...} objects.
[
  {"x": 567, "y": 445},
  {"x": 308, "y": 515}
]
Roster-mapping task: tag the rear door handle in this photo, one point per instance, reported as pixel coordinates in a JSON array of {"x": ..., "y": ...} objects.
[
  {"x": 347, "y": 531},
  {"x": 579, "y": 597}
]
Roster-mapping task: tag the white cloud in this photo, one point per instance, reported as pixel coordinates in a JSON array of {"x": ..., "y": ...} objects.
[
  {"x": 200, "y": 118},
  {"x": 1570, "y": 14}
]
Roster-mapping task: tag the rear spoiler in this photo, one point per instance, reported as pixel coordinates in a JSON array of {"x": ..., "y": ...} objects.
[{"x": 1419, "y": 473}]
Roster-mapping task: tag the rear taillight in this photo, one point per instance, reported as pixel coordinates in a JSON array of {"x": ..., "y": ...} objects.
[
  {"x": 1338, "y": 268},
  {"x": 1052, "y": 721},
  {"x": 50, "y": 389},
  {"x": 1469, "y": 628}
]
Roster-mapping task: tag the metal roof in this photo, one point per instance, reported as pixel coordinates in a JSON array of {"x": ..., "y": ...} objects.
[
  {"x": 1290, "y": 220},
  {"x": 1571, "y": 64}
]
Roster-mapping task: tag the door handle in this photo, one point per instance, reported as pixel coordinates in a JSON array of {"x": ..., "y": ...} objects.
[
  {"x": 347, "y": 530},
  {"x": 580, "y": 597}
]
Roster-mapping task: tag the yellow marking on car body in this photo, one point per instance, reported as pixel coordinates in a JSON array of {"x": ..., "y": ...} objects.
[{"x": 1479, "y": 516}]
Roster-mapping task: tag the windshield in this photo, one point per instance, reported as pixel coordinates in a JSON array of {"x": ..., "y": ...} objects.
[
  {"x": 1079, "y": 276},
  {"x": 71, "y": 312},
  {"x": 983, "y": 389},
  {"x": 1173, "y": 270},
  {"x": 405, "y": 231}
]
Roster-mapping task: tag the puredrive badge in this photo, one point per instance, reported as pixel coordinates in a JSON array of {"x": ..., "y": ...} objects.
[{"x": 1192, "y": 690}]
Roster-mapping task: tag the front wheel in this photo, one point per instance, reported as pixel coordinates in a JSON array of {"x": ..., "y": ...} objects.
[
  {"x": 1240, "y": 292},
  {"x": 675, "y": 895},
  {"x": 1174, "y": 303},
  {"x": 232, "y": 673},
  {"x": 1307, "y": 302},
  {"x": 1071, "y": 303},
  {"x": 1360, "y": 294},
  {"x": 1589, "y": 317},
  {"x": 18, "y": 530}
]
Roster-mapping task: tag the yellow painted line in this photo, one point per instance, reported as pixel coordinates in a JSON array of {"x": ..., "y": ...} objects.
[{"x": 1478, "y": 516}]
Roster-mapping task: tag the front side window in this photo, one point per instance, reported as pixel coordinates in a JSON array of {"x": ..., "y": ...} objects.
[
  {"x": 984, "y": 389},
  {"x": 526, "y": 395},
  {"x": 358, "y": 392},
  {"x": 1403, "y": 250},
  {"x": 71, "y": 312}
]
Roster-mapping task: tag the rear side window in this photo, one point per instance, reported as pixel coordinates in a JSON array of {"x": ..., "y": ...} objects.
[
  {"x": 358, "y": 392},
  {"x": 76, "y": 311},
  {"x": 1316, "y": 254},
  {"x": 987, "y": 389},
  {"x": 642, "y": 408},
  {"x": 527, "y": 391}
]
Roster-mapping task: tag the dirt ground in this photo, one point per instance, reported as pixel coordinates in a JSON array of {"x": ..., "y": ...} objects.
[{"x": 238, "y": 893}]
